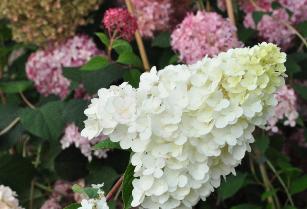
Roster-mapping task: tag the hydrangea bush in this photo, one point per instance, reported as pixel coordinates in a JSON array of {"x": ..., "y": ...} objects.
[{"x": 154, "y": 104}]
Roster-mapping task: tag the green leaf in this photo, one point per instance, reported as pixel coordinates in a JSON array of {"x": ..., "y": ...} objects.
[
  {"x": 102, "y": 78},
  {"x": 45, "y": 122},
  {"x": 121, "y": 46},
  {"x": 262, "y": 143},
  {"x": 129, "y": 58},
  {"x": 89, "y": 191},
  {"x": 299, "y": 185},
  {"x": 133, "y": 77},
  {"x": 267, "y": 194},
  {"x": 100, "y": 173},
  {"x": 107, "y": 144},
  {"x": 276, "y": 5},
  {"x": 73, "y": 206},
  {"x": 289, "y": 207},
  {"x": 302, "y": 28},
  {"x": 96, "y": 63},
  {"x": 73, "y": 74},
  {"x": 162, "y": 40},
  {"x": 16, "y": 172},
  {"x": 246, "y": 206},
  {"x": 231, "y": 185},
  {"x": 12, "y": 87},
  {"x": 127, "y": 186},
  {"x": 173, "y": 60},
  {"x": 73, "y": 112},
  {"x": 245, "y": 34},
  {"x": 103, "y": 38},
  {"x": 301, "y": 90},
  {"x": 292, "y": 66},
  {"x": 298, "y": 56},
  {"x": 257, "y": 16}
]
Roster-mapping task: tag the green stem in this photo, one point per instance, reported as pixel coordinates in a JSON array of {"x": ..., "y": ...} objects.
[
  {"x": 266, "y": 183},
  {"x": 112, "y": 39},
  {"x": 28, "y": 103},
  {"x": 37, "y": 161},
  {"x": 201, "y": 5},
  {"x": 281, "y": 182},
  {"x": 296, "y": 32},
  {"x": 253, "y": 170},
  {"x": 31, "y": 194},
  {"x": 10, "y": 126},
  {"x": 268, "y": 187}
]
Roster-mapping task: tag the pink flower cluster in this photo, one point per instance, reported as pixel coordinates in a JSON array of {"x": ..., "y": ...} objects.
[
  {"x": 61, "y": 190},
  {"x": 273, "y": 28},
  {"x": 249, "y": 6},
  {"x": 72, "y": 136},
  {"x": 120, "y": 22},
  {"x": 205, "y": 33},
  {"x": 152, "y": 15},
  {"x": 298, "y": 8},
  {"x": 44, "y": 67},
  {"x": 284, "y": 110}
]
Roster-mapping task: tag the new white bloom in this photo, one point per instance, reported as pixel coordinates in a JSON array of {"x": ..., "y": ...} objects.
[
  {"x": 98, "y": 203},
  {"x": 8, "y": 198},
  {"x": 189, "y": 125}
]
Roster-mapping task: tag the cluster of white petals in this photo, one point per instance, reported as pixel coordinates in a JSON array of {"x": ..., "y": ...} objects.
[
  {"x": 189, "y": 125},
  {"x": 97, "y": 203},
  {"x": 8, "y": 198}
]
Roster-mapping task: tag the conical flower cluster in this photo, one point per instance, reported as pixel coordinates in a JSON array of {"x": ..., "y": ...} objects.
[{"x": 189, "y": 125}]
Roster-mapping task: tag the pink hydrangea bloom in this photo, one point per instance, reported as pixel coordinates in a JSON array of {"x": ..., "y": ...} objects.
[
  {"x": 62, "y": 192},
  {"x": 249, "y": 6},
  {"x": 205, "y": 33},
  {"x": 273, "y": 29},
  {"x": 298, "y": 8},
  {"x": 152, "y": 15},
  {"x": 51, "y": 203},
  {"x": 72, "y": 136},
  {"x": 286, "y": 109},
  {"x": 119, "y": 21},
  {"x": 44, "y": 67}
]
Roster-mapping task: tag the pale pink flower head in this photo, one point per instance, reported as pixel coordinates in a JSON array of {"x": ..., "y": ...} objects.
[
  {"x": 152, "y": 15},
  {"x": 249, "y": 6},
  {"x": 203, "y": 34},
  {"x": 273, "y": 28},
  {"x": 51, "y": 203},
  {"x": 120, "y": 22},
  {"x": 298, "y": 9},
  {"x": 72, "y": 136},
  {"x": 286, "y": 109},
  {"x": 44, "y": 67}
]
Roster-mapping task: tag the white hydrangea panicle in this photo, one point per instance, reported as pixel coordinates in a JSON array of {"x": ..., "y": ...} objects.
[
  {"x": 8, "y": 198},
  {"x": 189, "y": 125}
]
